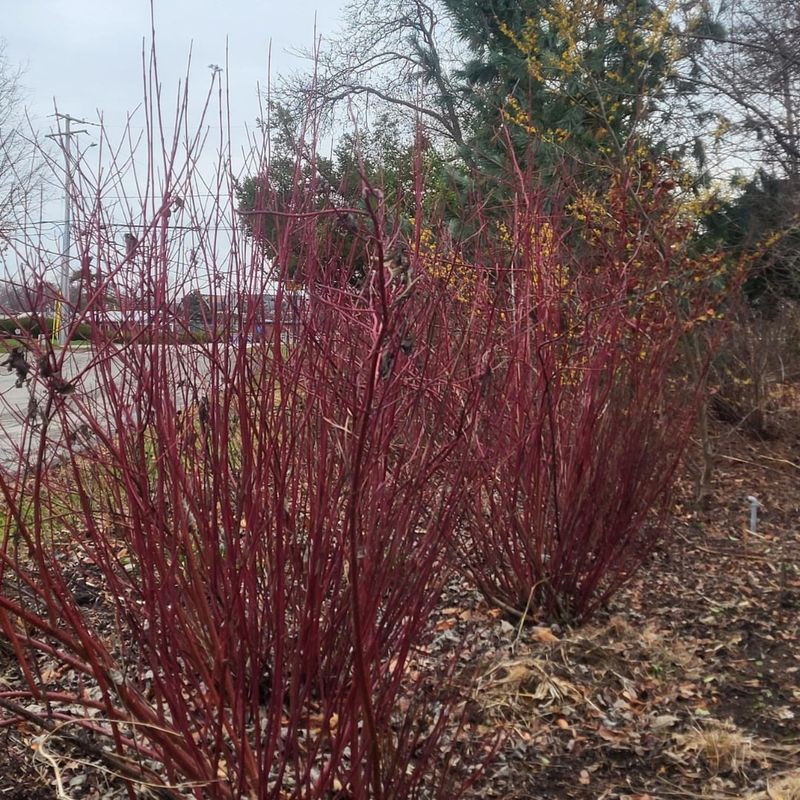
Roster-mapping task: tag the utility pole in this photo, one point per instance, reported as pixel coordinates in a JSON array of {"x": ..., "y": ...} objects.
[{"x": 60, "y": 317}]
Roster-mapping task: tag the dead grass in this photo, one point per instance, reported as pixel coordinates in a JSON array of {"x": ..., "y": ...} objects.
[
  {"x": 721, "y": 746},
  {"x": 522, "y": 688},
  {"x": 784, "y": 787}
]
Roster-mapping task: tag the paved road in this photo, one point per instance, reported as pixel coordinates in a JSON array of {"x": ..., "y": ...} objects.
[
  {"x": 15, "y": 403},
  {"x": 89, "y": 370}
]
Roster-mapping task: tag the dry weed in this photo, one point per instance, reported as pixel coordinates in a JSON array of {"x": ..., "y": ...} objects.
[{"x": 722, "y": 747}]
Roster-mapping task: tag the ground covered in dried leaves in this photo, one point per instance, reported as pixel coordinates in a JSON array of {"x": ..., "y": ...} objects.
[{"x": 688, "y": 685}]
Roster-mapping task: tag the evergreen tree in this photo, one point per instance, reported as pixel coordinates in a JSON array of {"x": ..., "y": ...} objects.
[
  {"x": 575, "y": 78},
  {"x": 383, "y": 158},
  {"x": 762, "y": 226}
]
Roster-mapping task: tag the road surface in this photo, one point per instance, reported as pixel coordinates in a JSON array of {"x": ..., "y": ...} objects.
[{"x": 90, "y": 371}]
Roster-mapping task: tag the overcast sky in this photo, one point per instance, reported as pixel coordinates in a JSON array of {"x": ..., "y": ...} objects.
[{"x": 87, "y": 54}]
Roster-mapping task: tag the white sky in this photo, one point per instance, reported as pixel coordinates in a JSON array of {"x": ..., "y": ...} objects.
[
  {"x": 86, "y": 57},
  {"x": 87, "y": 54}
]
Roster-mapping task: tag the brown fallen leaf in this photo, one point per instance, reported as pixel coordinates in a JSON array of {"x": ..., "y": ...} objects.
[
  {"x": 609, "y": 735},
  {"x": 664, "y": 721},
  {"x": 544, "y": 635}
]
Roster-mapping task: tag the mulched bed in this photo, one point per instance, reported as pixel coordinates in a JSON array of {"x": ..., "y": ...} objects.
[
  {"x": 19, "y": 779},
  {"x": 688, "y": 685}
]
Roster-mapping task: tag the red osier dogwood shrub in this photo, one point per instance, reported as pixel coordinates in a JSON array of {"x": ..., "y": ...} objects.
[
  {"x": 270, "y": 498},
  {"x": 258, "y": 497},
  {"x": 584, "y": 412},
  {"x": 270, "y": 536}
]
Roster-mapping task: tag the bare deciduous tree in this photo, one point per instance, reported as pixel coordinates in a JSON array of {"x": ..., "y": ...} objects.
[
  {"x": 19, "y": 169},
  {"x": 397, "y": 57},
  {"x": 23, "y": 297},
  {"x": 752, "y": 74}
]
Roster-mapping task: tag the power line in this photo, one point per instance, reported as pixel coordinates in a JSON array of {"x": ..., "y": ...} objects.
[{"x": 128, "y": 226}]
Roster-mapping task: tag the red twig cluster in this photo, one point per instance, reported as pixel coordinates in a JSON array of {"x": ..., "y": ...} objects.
[
  {"x": 585, "y": 410},
  {"x": 269, "y": 495}
]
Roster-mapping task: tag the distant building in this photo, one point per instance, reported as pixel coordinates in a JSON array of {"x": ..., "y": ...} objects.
[
  {"x": 21, "y": 299},
  {"x": 255, "y": 314}
]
